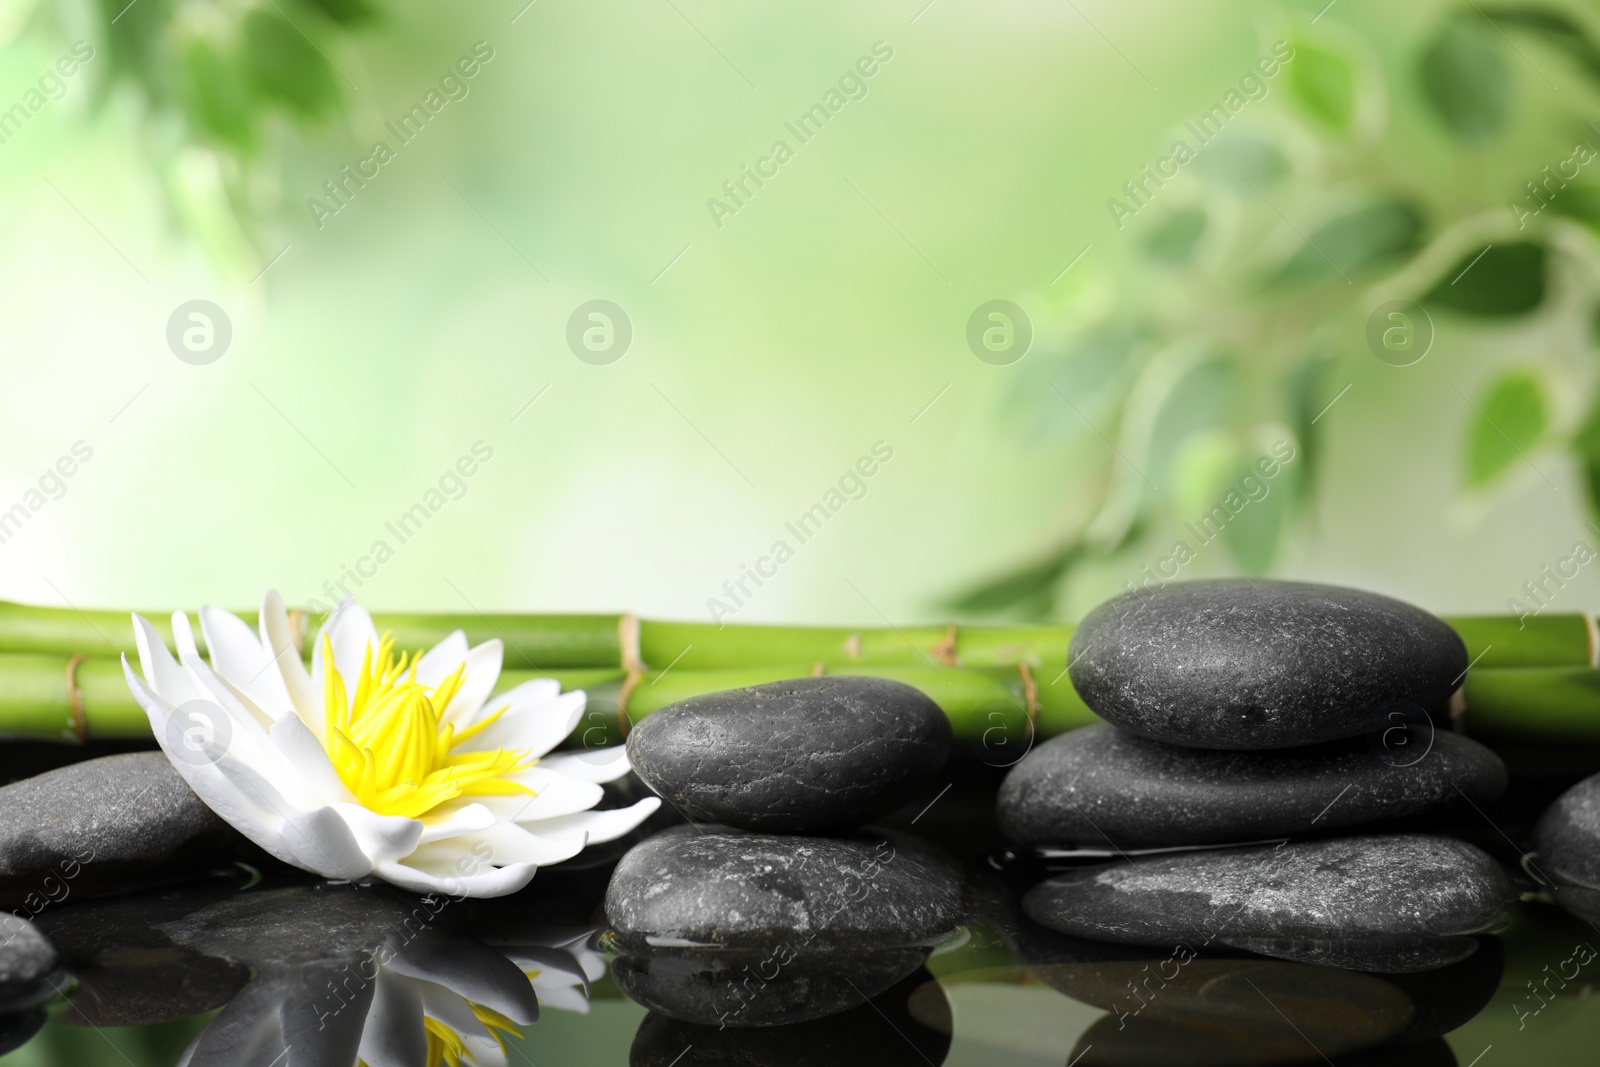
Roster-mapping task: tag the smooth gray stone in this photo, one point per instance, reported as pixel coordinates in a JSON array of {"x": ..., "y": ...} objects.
[
  {"x": 1567, "y": 836},
  {"x": 104, "y": 825},
  {"x": 1249, "y": 665},
  {"x": 1411, "y": 900},
  {"x": 1101, "y": 787},
  {"x": 686, "y": 887},
  {"x": 801, "y": 756},
  {"x": 30, "y": 966}
]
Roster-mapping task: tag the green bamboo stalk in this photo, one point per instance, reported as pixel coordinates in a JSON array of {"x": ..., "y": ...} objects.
[
  {"x": 532, "y": 641},
  {"x": 988, "y": 706},
  {"x": 1495, "y": 641},
  {"x": 561, "y": 642},
  {"x": 1535, "y": 703}
]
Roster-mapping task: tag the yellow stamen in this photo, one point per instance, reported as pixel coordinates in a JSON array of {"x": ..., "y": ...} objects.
[{"x": 390, "y": 748}]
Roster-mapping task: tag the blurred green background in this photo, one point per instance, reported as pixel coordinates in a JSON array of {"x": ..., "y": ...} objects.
[
  {"x": 771, "y": 352},
  {"x": 1171, "y": 346}
]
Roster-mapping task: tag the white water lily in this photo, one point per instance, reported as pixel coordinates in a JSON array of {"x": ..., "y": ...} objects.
[{"x": 368, "y": 765}]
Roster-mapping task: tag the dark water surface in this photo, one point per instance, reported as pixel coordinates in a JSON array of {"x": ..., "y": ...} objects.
[{"x": 268, "y": 968}]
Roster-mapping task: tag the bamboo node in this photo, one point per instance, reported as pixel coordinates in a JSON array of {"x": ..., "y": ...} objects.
[
  {"x": 818, "y": 669},
  {"x": 1030, "y": 693},
  {"x": 944, "y": 650},
  {"x": 80, "y": 724},
  {"x": 629, "y": 684},
  {"x": 852, "y": 646},
  {"x": 628, "y": 640},
  {"x": 1594, "y": 638},
  {"x": 1458, "y": 710}
]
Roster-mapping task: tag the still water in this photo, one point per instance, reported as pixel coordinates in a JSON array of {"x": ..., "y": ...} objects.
[{"x": 264, "y": 967}]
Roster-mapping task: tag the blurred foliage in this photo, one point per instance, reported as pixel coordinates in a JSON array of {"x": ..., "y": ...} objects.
[
  {"x": 218, "y": 82},
  {"x": 221, "y": 69},
  {"x": 1257, "y": 281}
]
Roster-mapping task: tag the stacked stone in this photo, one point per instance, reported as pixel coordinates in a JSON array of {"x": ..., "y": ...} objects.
[
  {"x": 774, "y": 906},
  {"x": 1242, "y": 717}
]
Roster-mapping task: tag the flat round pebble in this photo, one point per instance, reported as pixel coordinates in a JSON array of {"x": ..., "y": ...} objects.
[
  {"x": 1250, "y": 665},
  {"x": 1567, "y": 836},
  {"x": 807, "y": 755},
  {"x": 1102, "y": 787},
  {"x": 1396, "y": 902},
  {"x": 28, "y": 965},
  {"x": 688, "y": 887},
  {"x": 104, "y": 825}
]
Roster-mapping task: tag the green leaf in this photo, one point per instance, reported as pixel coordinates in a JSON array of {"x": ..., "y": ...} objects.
[
  {"x": 286, "y": 66},
  {"x": 1497, "y": 281},
  {"x": 1324, "y": 85},
  {"x": 1308, "y": 389},
  {"x": 1586, "y": 446},
  {"x": 1509, "y": 420},
  {"x": 1580, "y": 202},
  {"x": 1255, "y": 533},
  {"x": 1029, "y": 590},
  {"x": 346, "y": 12},
  {"x": 1360, "y": 240},
  {"x": 1203, "y": 399},
  {"x": 215, "y": 97},
  {"x": 1465, "y": 81},
  {"x": 1556, "y": 28},
  {"x": 1174, "y": 240}
]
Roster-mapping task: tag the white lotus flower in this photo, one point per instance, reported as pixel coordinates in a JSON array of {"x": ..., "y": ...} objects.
[{"x": 368, "y": 765}]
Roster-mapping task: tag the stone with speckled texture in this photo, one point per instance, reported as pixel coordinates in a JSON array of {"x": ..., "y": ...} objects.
[
  {"x": 742, "y": 890},
  {"x": 30, "y": 966},
  {"x": 802, "y": 756},
  {"x": 1101, "y": 787},
  {"x": 1236, "y": 664},
  {"x": 1396, "y": 902},
  {"x": 104, "y": 825},
  {"x": 1567, "y": 836}
]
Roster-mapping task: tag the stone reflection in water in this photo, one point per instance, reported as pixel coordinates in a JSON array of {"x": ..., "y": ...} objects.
[
  {"x": 334, "y": 974},
  {"x": 713, "y": 987},
  {"x": 1185, "y": 1007},
  {"x": 1396, "y": 902},
  {"x": 881, "y": 1031}
]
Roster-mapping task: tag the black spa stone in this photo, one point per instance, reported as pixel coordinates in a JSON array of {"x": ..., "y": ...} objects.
[
  {"x": 104, "y": 825},
  {"x": 30, "y": 966},
  {"x": 1567, "y": 837},
  {"x": 801, "y": 756},
  {"x": 688, "y": 887},
  {"x": 1102, "y": 787},
  {"x": 1391, "y": 902},
  {"x": 1250, "y": 665}
]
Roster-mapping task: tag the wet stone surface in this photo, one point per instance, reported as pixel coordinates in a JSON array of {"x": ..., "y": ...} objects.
[
  {"x": 1253, "y": 665},
  {"x": 1567, "y": 836},
  {"x": 29, "y": 965},
  {"x": 1101, "y": 787},
  {"x": 104, "y": 825},
  {"x": 807, "y": 755},
  {"x": 1397, "y": 902},
  {"x": 739, "y": 890}
]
